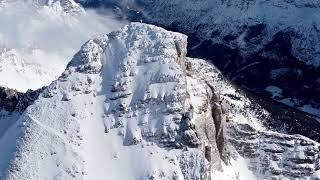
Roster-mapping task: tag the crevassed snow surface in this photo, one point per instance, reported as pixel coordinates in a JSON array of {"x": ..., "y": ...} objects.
[{"x": 35, "y": 49}]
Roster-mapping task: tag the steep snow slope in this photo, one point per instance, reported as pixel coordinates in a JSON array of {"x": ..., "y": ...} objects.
[
  {"x": 131, "y": 106},
  {"x": 35, "y": 56},
  {"x": 265, "y": 46}
]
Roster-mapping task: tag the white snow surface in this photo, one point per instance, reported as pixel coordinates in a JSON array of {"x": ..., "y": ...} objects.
[{"x": 35, "y": 49}]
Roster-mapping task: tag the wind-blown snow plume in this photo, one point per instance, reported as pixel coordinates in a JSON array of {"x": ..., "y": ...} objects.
[{"x": 39, "y": 43}]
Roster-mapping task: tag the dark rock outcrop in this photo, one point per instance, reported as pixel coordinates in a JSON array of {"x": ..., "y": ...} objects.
[{"x": 12, "y": 100}]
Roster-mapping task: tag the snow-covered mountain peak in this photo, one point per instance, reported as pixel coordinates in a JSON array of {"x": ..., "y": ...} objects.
[
  {"x": 130, "y": 105},
  {"x": 124, "y": 103},
  {"x": 68, "y": 6},
  {"x": 268, "y": 47}
]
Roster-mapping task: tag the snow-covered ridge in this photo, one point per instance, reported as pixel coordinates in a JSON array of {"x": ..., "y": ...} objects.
[{"x": 130, "y": 105}]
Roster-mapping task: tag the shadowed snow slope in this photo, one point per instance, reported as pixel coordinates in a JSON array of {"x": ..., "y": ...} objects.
[{"x": 130, "y": 105}]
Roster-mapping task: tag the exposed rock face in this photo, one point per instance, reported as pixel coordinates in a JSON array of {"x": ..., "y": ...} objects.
[
  {"x": 12, "y": 100},
  {"x": 220, "y": 120}
]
